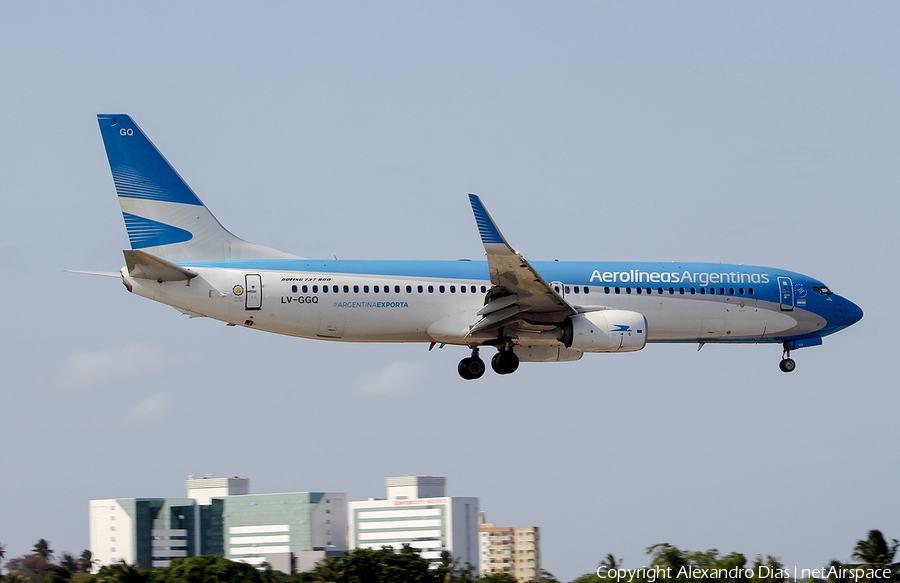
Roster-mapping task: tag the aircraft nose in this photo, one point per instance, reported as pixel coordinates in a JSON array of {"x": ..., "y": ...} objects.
[{"x": 847, "y": 313}]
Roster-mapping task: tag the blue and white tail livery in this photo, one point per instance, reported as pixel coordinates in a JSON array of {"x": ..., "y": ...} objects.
[{"x": 527, "y": 311}]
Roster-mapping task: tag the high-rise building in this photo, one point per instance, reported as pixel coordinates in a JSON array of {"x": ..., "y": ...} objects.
[
  {"x": 219, "y": 517},
  {"x": 417, "y": 511},
  {"x": 510, "y": 549}
]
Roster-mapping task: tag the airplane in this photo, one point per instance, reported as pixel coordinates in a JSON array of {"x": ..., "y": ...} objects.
[{"x": 541, "y": 311}]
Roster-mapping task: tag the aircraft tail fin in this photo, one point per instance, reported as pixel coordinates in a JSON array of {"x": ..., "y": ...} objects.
[{"x": 163, "y": 216}]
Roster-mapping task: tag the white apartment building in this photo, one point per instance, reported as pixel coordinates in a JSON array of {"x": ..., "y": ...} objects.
[{"x": 417, "y": 511}]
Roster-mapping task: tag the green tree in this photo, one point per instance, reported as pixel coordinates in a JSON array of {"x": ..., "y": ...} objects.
[
  {"x": 122, "y": 572},
  {"x": 609, "y": 562},
  {"x": 68, "y": 561},
  {"x": 86, "y": 562},
  {"x": 496, "y": 578},
  {"x": 328, "y": 570},
  {"x": 43, "y": 550},
  {"x": 30, "y": 568},
  {"x": 874, "y": 550},
  {"x": 205, "y": 569}
]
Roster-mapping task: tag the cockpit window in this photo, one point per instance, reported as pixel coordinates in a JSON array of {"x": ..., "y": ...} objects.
[{"x": 822, "y": 290}]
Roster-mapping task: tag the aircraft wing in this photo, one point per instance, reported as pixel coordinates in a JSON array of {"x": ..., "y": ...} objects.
[{"x": 519, "y": 292}]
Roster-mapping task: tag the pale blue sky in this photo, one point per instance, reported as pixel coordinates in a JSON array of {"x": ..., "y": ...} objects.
[{"x": 749, "y": 132}]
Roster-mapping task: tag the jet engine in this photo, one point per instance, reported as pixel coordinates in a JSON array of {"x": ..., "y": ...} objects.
[{"x": 606, "y": 331}]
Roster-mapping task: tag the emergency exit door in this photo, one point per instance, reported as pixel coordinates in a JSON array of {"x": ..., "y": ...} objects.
[{"x": 253, "y": 292}]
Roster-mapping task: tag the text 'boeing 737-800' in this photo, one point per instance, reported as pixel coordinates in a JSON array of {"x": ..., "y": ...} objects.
[{"x": 548, "y": 311}]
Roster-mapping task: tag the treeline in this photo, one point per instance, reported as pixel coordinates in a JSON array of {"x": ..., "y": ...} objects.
[{"x": 668, "y": 564}]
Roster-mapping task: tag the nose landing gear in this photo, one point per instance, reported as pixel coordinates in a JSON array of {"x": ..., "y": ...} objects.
[{"x": 787, "y": 363}]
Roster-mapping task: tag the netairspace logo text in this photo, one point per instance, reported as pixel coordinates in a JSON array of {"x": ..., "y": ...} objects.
[{"x": 651, "y": 574}]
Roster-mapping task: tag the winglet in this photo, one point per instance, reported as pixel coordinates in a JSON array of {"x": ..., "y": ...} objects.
[{"x": 494, "y": 242}]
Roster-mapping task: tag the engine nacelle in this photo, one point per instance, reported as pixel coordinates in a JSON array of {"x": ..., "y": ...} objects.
[{"x": 606, "y": 331}]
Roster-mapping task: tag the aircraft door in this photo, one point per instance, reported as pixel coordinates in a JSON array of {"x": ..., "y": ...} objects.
[
  {"x": 786, "y": 293},
  {"x": 253, "y": 292}
]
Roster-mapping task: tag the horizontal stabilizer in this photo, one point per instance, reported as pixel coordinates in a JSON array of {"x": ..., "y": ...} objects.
[
  {"x": 115, "y": 274},
  {"x": 145, "y": 266}
]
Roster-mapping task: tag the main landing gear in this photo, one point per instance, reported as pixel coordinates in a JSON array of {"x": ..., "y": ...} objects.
[
  {"x": 787, "y": 363},
  {"x": 471, "y": 368},
  {"x": 504, "y": 362}
]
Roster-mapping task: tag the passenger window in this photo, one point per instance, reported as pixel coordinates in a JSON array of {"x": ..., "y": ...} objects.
[
  {"x": 305, "y": 289},
  {"x": 741, "y": 290},
  {"x": 293, "y": 289},
  {"x": 617, "y": 290},
  {"x": 751, "y": 291},
  {"x": 628, "y": 290},
  {"x": 441, "y": 289},
  {"x": 409, "y": 289},
  {"x": 693, "y": 290},
  {"x": 639, "y": 290},
  {"x": 365, "y": 289},
  {"x": 431, "y": 289},
  {"x": 606, "y": 290},
  {"x": 396, "y": 289},
  {"x": 483, "y": 289},
  {"x": 681, "y": 290},
  {"x": 315, "y": 289},
  {"x": 671, "y": 291},
  {"x": 702, "y": 291},
  {"x": 334, "y": 288},
  {"x": 419, "y": 289},
  {"x": 660, "y": 290},
  {"x": 721, "y": 291},
  {"x": 731, "y": 291},
  {"x": 568, "y": 289},
  {"x": 346, "y": 289},
  {"x": 356, "y": 289},
  {"x": 712, "y": 291},
  {"x": 375, "y": 289},
  {"x": 576, "y": 289},
  {"x": 649, "y": 290},
  {"x": 462, "y": 289}
]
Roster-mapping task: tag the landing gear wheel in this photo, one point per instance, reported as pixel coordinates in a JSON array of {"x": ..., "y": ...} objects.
[
  {"x": 787, "y": 365},
  {"x": 505, "y": 362},
  {"x": 471, "y": 368}
]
